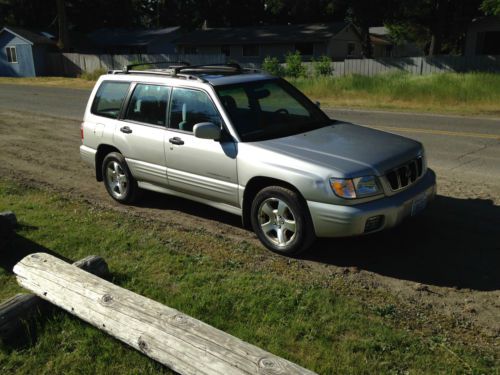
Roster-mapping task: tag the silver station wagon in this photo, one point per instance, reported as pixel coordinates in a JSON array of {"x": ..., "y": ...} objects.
[{"x": 253, "y": 145}]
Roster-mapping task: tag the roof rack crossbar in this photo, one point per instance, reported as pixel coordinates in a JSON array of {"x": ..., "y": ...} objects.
[
  {"x": 172, "y": 64},
  {"x": 170, "y": 73}
]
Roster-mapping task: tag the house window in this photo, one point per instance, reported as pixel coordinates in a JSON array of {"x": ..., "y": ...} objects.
[
  {"x": 190, "y": 50},
  {"x": 251, "y": 50},
  {"x": 225, "y": 50},
  {"x": 351, "y": 47},
  {"x": 11, "y": 55},
  {"x": 305, "y": 49}
]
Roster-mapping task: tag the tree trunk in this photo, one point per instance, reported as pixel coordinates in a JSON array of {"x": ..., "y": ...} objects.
[{"x": 63, "y": 42}]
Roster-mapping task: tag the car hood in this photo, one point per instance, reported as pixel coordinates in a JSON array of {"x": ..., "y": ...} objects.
[{"x": 346, "y": 149}]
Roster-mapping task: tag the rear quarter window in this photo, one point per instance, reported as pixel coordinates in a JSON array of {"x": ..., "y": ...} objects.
[{"x": 109, "y": 99}]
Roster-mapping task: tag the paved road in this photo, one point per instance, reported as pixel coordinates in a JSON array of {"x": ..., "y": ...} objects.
[{"x": 454, "y": 144}]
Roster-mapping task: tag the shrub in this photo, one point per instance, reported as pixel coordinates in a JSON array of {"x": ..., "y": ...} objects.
[
  {"x": 323, "y": 66},
  {"x": 94, "y": 75},
  {"x": 294, "y": 67},
  {"x": 272, "y": 66}
]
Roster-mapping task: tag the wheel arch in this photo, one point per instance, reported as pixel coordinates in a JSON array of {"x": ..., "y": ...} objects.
[
  {"x": 255, "y": 185},
  {"x": 102, "y": 151}
]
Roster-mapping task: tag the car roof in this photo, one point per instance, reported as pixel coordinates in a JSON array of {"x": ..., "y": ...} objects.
[{"x": 215, "y": 75}]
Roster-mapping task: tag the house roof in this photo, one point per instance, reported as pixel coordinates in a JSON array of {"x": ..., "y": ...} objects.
[
  {"x": 263, "y": 34},
  {"x": 130, "y": 37},
  {"x": 379, "y": 30},
  {"x": 29, "y": 36}
]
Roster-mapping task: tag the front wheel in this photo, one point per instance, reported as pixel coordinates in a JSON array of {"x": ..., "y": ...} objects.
[
  {"x": 118, "y": 180},
  {"x": 281, "y": 220}
]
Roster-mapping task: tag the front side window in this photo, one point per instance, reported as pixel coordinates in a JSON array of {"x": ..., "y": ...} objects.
[
  {"x": 109, "y": 99},
  {"x": 269, "y": 109},
  {"x": 190, "y": 107},
  {"x": 11, "y": 54},
  {"x": 149, "y": 104}
]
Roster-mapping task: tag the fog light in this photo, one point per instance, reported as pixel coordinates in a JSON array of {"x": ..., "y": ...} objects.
[{"x": 374, "y": 223}]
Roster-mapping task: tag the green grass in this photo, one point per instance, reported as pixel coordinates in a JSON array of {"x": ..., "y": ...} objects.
[
  {"x": 469, "y": 93},
  {"x": 316, "y": 320}
]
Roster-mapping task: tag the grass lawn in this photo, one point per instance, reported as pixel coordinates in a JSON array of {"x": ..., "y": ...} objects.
[
  {"x": 319, "y": 321},
  {"x": 449, "y": 93}
]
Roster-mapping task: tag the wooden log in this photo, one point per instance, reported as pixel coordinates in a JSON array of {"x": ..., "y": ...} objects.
[
  {"x": 172, "y": 338},
  {"x": 18, "y": 312}
]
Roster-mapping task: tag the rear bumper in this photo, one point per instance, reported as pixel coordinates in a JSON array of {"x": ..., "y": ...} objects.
[
  {"x": 340, "y": 221},
  {"x": 87, "y": 155}
]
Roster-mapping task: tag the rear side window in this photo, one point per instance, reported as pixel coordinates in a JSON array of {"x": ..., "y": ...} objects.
[
  {"x": 149, "y": 104},
  {"x": 109, "y": 99}
]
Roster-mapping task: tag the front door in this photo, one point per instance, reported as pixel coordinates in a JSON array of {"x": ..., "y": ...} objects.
[{"x": 201, "y": 167}]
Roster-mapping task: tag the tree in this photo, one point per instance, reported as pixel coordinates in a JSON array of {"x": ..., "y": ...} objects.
[
  {"x": 439, "y": 26},
  {"x": 491, "y": 7}
]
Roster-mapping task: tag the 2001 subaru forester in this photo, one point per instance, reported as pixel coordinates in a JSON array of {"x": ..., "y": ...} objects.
[{"x": 253, "y": 145}]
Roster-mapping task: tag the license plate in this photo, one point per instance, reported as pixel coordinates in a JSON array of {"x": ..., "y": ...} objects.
[{"x": 418, "y": 204}]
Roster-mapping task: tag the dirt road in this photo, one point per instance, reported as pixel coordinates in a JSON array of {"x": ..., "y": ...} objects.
[{"x": 447, "y": 260}]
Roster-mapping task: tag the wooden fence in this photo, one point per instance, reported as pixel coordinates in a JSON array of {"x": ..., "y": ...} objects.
[
  {"x": 74, "y": 64},
  {"x": 416, "y": 65}
]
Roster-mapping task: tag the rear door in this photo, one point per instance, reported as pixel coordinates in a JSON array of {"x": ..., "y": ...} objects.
[
  {"x": 200, "y": 167},
  {"x": 141, "y": 133}
]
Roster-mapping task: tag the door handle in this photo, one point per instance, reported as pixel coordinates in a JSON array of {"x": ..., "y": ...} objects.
[
  {"x": 126, "y": 130},
  {"x": 176, "y": 141}
]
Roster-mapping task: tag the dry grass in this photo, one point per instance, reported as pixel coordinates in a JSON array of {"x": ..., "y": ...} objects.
[{"x": 74, "y": 83}]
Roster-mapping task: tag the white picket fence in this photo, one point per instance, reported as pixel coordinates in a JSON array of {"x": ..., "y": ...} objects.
[{"x": 74, "y": 64}]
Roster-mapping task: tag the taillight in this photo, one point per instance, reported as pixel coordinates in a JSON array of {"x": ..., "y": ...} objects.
[{"x": 81, "y": 131}]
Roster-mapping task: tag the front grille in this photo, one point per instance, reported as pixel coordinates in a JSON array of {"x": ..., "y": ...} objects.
[{"x": 406, "y": 174}]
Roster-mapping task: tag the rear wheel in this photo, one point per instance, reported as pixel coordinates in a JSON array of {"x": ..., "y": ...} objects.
[
  {"x": 281, "y": 220},
  {"x": 118, "y": 180}
]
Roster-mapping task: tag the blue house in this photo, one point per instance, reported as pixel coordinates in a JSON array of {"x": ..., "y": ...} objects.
[{"x": 22, "y": 52}]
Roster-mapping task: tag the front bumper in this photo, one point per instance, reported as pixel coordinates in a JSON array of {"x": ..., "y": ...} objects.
[{"x": 341, "y": 221}]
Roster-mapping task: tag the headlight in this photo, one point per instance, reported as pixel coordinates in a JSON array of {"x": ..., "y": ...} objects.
[{"x": 356, "y": 187}]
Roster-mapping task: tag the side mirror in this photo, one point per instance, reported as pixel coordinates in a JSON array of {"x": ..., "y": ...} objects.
[
  {"x": 318, "y": 104},
  {"x": 207, "y": 130}
]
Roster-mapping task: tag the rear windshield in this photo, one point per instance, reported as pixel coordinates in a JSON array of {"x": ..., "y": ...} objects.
[
  {"x": 269, "y": 109},
  {"x": 109, "y": 99}
]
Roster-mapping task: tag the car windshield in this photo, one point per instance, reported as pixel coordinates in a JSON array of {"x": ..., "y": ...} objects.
[{"x": 269, "y": 109}]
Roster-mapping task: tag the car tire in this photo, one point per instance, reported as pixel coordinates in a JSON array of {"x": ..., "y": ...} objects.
[
  {"x": 281, "y": 220},
  {"x": 119, "y": 182}
]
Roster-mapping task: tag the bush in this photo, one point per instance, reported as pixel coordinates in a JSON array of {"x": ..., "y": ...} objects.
[
  {"x": 294, "y": 67},
  {"x": 323, "y": 66},
  {"x": 272, "y": 66},
  {"x": 93, "y": 76}
]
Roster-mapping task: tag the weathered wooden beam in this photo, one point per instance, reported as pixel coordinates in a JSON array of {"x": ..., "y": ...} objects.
[
  {"x": 172, "y": 338},
  {"x": 18, "y": 312}
]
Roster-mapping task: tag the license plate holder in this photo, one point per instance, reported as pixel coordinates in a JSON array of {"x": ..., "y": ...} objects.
[{"x": 418, "y": 204}]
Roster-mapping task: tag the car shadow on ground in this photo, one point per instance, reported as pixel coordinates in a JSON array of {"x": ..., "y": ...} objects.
[
  {"x": 454, "y": 243},
  {"x": 154, "y": 200}
]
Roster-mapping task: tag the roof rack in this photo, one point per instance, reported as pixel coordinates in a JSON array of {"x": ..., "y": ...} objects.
[{"x": 181, "y": 69}]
